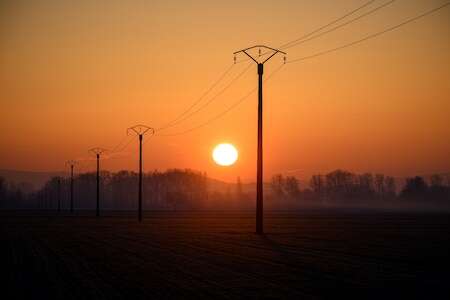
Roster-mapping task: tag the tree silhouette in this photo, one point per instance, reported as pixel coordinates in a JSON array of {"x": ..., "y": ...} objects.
[
  {"x": 416, "y": 189},
  {"x": 277, "y": 184},
  {"x": 291, "y": 187}
]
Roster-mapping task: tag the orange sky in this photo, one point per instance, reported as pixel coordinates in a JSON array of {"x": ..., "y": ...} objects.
[{"x": 75, "y": 75}]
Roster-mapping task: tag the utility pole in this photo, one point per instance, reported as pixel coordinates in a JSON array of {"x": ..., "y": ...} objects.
[
  {"x": 71, "y": 163},
  {"x": 97, "y": 152},
  {"x": 259, "y": 174},
  {"x": 59, "y": 194},
  {"x": 140, "y": 130}
]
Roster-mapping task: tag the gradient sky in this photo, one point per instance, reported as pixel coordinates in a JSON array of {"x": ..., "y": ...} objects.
[{"x": 75, "y": 74}]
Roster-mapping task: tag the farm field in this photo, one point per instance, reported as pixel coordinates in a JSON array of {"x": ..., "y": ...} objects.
[{"x": 303, "y": 255}]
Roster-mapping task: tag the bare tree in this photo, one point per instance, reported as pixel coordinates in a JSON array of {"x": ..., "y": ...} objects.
[
  {"x": 415, "y": 189},
  {"x": 365, "y": 184},
  {"x": 291, "y": 187},
  {"x": 389, "y": 186},
  {"x": 379, "y": 184},
  {"x": 277, "y": 185},
  {"x": 238, "y": 189},
  {"x": 436, "y": 180},
  {"x": 339, "y": 184},
  {"x": 316, "y": 183}
]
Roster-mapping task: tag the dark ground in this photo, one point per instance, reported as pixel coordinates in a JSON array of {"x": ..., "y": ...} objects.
[{"x": 217, "y": 255}]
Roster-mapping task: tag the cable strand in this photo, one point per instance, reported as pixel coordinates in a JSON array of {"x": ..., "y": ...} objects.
[
  {"x": 221, "y": 77},
  {"x": 223, "y": 113},
  {"x": 341, "y": 25},
  {"x": 371, "y": 36}
]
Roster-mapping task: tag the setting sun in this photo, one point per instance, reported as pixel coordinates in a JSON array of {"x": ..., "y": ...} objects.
[{"x": 225, "y": 154}]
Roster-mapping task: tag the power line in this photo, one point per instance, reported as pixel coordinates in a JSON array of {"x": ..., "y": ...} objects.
[
  {"x": 212, "y": 99},
  {"x": 290, "y": 44},
  {"x": 81, "y": 166},
  {"x": 218, "y": 116},
  {"x": 317, "y": 54},
  {"x": 341, "y": 25},
  {"x": 223, "y": 113},
  {"x": 221, "y": 77},
  {"x": 113, "y": 150},
  {"x": 371, "y": 36},
  {"x": 83, "y": 162},
  {"x": 148, "y": 139},
  {"x": 303, "y": 58},
  {"x": 124, "y": 146},
  {"x": 286, "y": 45},
  {"x": 185, "y": 115}
]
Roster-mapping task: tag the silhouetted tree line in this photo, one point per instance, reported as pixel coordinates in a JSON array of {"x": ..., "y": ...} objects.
[
  {"x": 186, "y": 189},
  {"x": 170, "y": 190},
  {"x": 173, "y": 189},
  {"x": 341, "y": 185},
  {"x": 13, "y": 195},
  {"x": 417, "y": 188}
]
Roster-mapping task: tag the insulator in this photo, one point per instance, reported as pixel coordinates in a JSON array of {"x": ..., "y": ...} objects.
[
  {"x": 259, "y": 52},
  {"x": 284, "y": 59},
  {"x": 234, "y": 59}
]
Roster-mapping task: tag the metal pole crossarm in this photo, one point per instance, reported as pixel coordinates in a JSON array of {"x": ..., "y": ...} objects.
[
  {"x": 259, "y": 46},
  {"x": 71, "y": 163},
  {"x": 97, "y": 150},
  {"x": 141, "y": 130}
]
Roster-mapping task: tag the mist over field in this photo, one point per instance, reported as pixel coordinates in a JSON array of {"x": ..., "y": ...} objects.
[{"x": 192, "y": 190}]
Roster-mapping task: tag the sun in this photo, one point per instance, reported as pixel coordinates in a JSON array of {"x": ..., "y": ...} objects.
[{"x": 225, "y": 154}]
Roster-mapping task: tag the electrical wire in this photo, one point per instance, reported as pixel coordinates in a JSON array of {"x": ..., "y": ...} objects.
[
  {"x": 185, "y": 115},
  {"x": 125, "y": 146},
  {"x": 223, "y": 113},
  {"x": 210, "y": 100},
  {"x": 113, "y": 150},
  {"x": 286, "y": 45},
  {"x": 147, "y": 139},
  {"x": 323, "y": 53},
  {"x": 371, "y": 36},
  {"x": 215, "y": 83},
  {"x": 341, "y": 25}
]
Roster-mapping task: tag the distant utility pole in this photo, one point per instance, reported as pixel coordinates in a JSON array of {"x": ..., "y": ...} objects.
[
  {"x": 259, "y": 176},
  {"x": 97, "y": 152},
  {"x": 140, "y": 130},
  {"x": 59, "y": 194},
  {"x": 71, "y": 163}
]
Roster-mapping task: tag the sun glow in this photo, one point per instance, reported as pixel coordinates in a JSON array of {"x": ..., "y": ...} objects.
[{"x": 225, "y": 154}]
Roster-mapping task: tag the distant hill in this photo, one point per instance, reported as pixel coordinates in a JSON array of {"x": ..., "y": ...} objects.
[{"x": 35, "y": 179}]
